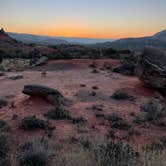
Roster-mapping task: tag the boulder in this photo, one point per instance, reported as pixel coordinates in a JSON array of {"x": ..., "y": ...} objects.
[
  {"x": 152, "y": 68},
  {"x": 51, "y": 95}
]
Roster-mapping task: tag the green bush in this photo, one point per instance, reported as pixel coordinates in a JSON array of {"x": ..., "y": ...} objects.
[
  {"x": 5, "y": 147},
  {"x": 34, "y": 159},
  {"x": 115, "y": 154},
  {"x": 151, "y": 111},
  {"x": 116, "y": 121},
  {"x": 128, "y": 65},
  {"x": 85, "y": 142},
  {"x": 58, "y": 114},
  {"x": 122, "y": 95},
  {"x": 2, "y": 123},
  {"x": 4, "y": 127},
  {"x": 79, "y": 120},
  {"x": 35, "y": 153},
  {"x": 95, "y": 71},
  {"x": 32, "y": 123}
]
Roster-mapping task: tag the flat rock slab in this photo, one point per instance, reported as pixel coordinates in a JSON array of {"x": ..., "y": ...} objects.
[{"x": 49, "y": 94}]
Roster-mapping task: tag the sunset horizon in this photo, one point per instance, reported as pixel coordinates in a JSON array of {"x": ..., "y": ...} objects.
[
  {"x": 83, "y": 19},
  {"x": 90, "y": 36}
]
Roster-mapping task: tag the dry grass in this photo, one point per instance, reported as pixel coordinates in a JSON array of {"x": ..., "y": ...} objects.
[
  {"x": 82, "y": 157},
  {"x": 100, "y": 153}
]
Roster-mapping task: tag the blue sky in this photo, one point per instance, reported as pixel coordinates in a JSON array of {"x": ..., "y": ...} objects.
[{"x": 84, "y": 18}]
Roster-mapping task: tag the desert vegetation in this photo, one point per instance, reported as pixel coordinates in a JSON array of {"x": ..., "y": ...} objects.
[{"x": 70, "y": 105}]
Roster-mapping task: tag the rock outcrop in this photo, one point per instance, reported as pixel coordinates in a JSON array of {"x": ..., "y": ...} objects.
[
  {"x": 51, "y": 95},
  {"x": 152, "y": 68}
]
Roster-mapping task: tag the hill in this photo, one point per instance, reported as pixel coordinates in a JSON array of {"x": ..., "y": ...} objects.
[
  {"x": 44, "y": 40},
  {"x": 11, "y": 48},
  {"x": 157, "y": 40},
  {"x": 47, "y": 40}
]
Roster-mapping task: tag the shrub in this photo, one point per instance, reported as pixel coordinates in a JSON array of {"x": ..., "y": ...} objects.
[
  {"x": 79, "y": 120},
  {"x": 5, "y": 145},
  {"x": 85, "y": 142},
  {"x": 115, "y": 154},
  {"x": 122, "y": 95},
  {"x": 32, "y": 123},
  {"x": 3, "y": 103},
  {"x": 124, "y": 52},
  {"x": 35, "y": 153},
  {"x": 151, "y": 105},
  {"x": 110, "y": 52},
  {"x": 151, "y": 111},
  {"x": 117, "y": 122},
  {"x": 95, "y": 71},
  {"x": 128, "y": 66},
  {"x": 157, "y": 145},
  {"x": 58, "y": 114},
  {"x": 92, "y": 65},
  {"x": 4, "y": 127},
  {"x": 99, "y": 115},
  {"x": 34, "y": 159},
  {"x": 111, "y": 134},
  {"x": 2, "y": 123}
]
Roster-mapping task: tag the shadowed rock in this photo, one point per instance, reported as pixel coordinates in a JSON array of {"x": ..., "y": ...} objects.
[
  {"x": 51, "y": 95},
  {"x": 152, "y": 68}
]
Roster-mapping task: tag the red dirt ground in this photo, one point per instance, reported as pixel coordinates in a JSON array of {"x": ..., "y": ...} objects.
[{"x": 67, "y": 76}]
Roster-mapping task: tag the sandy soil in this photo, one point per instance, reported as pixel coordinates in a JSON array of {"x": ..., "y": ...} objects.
[{"x": 67, "y": 76}]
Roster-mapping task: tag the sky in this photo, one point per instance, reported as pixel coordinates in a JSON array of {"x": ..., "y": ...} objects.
[{"x": 84, "y": 18}]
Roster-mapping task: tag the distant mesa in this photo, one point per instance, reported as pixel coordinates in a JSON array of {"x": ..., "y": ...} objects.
[{"x": 157, "y": 40}]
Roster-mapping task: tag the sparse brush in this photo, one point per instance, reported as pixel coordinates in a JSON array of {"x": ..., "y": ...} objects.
[
  {"x": 2, "y": 123},
  {"x": 152, "y": 111},
  {"x": 32, "y": 123},
  {"x": 115, "y": 154},
  {"x": 58, "y": 114},
  {"x": 5, "y": 147},
  {"x": 95, "y": 71},
  {"x": 79, "y": 120},
  {"x": 35, "y": 153},
  {"x": 116, "y": 121},
  {"x": 122, "y": 95}
]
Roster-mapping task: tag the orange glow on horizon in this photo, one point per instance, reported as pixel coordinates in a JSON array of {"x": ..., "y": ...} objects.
[{"x": 81, "y": 32}]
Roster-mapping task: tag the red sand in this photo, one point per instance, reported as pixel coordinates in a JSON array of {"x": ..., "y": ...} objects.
[{"x": 68, "y": 83}]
